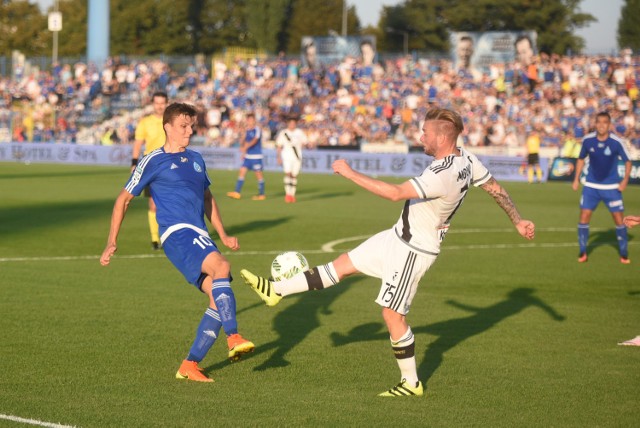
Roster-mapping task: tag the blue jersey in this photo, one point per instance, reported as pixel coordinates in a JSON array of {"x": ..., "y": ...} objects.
[
  {"x": 177, "y": 182},
  {"x": 255, "y": 151},
  {"x": 602, "y": 172}
]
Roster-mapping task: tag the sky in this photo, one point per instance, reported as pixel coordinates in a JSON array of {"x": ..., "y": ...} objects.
[{"x": 600, "y": 37}]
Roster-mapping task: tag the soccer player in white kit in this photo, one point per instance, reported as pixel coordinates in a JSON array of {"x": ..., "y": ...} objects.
[
  {"x": 401, "y": 255},
  {"x": 289, "y": 144}
]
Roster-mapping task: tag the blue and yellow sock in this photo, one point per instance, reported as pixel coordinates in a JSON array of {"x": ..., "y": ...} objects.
[
  {"x": 206, "y": 335},
  {"x": 226, "y": 303}
]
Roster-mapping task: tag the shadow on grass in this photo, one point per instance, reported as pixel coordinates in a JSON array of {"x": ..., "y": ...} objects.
[
  {"x": 82, "y": 173},
  {"x": 605, "y": 238},
  {"x": 293, "y": 324},
  {"x": 454, "y": 331},
  {"x": 238, "y": 229},
  {"x": 14, "y": 220}
]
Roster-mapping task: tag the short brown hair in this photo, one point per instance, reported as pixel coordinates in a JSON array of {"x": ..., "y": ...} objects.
[
  {"x": 453, "y": 122},
  {"x": 178, "y": 109}
]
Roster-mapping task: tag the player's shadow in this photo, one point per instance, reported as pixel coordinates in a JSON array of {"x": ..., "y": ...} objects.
[
  {"x": 605, "y": 238},
  {"x": 293, "y": 324},
  {"x": 454, "y": 331},
  {"x": 239, "y": 229}
]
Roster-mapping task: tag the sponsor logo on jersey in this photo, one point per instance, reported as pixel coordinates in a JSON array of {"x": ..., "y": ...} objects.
[
  {"x": 174, "y": 166},
  {"x": 607, "y": 151},
  {"x": 464, "y": 173},
  {"x": 197, "y": 167}
]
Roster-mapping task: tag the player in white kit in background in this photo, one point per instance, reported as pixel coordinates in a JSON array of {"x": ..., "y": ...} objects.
[
  {"x": 289, "y": 144},
  {"x": 400, "y": 256}
]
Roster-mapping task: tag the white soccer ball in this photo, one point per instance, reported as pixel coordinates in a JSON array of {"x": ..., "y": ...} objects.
[{"x": 288, "y": 264}]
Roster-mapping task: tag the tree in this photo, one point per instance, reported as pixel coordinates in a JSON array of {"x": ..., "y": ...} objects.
[
  {"x": 429, "y": 21},
  {"x": 629, "y": 26},
  {"x": 265, "y": 21},
  {"x": 553, "y": 20},
  {"x": 223, "y": 25},
  {"x": 23, "y": 28},
  {"x": 314, "y": 18}
]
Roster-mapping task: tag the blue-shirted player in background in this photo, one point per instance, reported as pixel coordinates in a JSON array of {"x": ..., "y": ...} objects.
[
  {"x": 602, "y": 182},
  {"x": 251, "y": 150},
  {"x": 179, "y": 185}
]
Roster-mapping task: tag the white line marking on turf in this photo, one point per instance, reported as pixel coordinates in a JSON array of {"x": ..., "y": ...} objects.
[
  {"x": 327, "y": 248},
  {"x": 33, "y": 422}
]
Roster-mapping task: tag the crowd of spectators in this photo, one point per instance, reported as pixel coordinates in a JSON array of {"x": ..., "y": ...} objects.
[{"x": 345, "y": 104}]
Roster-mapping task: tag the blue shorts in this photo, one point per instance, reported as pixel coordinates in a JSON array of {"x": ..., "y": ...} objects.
[
  {"x": 187, "y": 249},
  {"x": 591, "y": 197},
  {"x": 252, "y": 164}
]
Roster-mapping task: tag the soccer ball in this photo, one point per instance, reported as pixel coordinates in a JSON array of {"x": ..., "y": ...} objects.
[{"x": 288, "y": 264}]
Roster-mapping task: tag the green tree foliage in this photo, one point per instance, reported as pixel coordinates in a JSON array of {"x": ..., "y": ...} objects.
[
  {"x": 428, "y": 21},
  {"x": 629, "y": 25},
  {"x": 23, "y": 28},
  {"x": 317, "y": 18},
  {"x": 265, "y": 21},
  {"x": 223, "y": 25}
]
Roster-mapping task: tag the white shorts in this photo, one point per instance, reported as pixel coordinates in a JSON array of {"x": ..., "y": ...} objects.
[
  {"x": 291, "y": 166},
  {"x": 400, "y": 268}
]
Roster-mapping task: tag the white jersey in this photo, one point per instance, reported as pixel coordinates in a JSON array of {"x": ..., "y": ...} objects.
[
  {"x": 291, "y": 143},
  {"x": 441, "y": 188}
]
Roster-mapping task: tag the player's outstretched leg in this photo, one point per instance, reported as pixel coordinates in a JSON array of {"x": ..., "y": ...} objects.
[
  {"x": 262, "y": 286},
  {"x": 403, "y": 389}
]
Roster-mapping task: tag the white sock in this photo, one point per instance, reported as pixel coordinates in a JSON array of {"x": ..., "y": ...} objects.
[
  {"x": 316, "y": 278},
  {"x": 404, "y": 351}
]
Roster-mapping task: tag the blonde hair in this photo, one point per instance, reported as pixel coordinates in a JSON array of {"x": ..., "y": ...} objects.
[{"x": 450, "y": 122}]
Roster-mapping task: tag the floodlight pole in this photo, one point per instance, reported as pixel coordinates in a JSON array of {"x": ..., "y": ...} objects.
[
  {"x": 344, "y": 18},
  {"x": 54, "y": 53}
]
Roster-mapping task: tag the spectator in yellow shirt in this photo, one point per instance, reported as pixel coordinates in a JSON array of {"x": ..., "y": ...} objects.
[{"x": 533, "y": 156}]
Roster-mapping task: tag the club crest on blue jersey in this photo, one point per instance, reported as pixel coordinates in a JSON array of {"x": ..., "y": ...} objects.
[{"x": 197, "y": 167}]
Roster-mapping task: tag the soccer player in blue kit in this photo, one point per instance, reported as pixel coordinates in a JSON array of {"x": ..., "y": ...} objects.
[
  {"x": 602, "y": 183},
  {"x": 251, "y": 159},
  {"x": 179, "y": 185}
]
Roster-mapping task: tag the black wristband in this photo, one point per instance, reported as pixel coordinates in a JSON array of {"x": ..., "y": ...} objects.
[{"x": 134, "y": 161}]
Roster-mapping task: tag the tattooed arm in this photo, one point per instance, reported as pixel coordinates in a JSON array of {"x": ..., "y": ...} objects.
[{"x": 525, "y": 228}]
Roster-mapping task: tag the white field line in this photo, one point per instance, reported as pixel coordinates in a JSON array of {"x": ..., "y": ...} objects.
[
  {"x": 329, "y": 247},
  {"x": 32, "y": 421}
]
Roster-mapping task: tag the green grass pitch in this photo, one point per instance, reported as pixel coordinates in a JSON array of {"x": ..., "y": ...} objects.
[{"x": 508, "y": 332}]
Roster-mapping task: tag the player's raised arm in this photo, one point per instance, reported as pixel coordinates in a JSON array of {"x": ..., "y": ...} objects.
[
  {"x": 525, "y": 228},
  {"x": 390, "y": 191}
]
